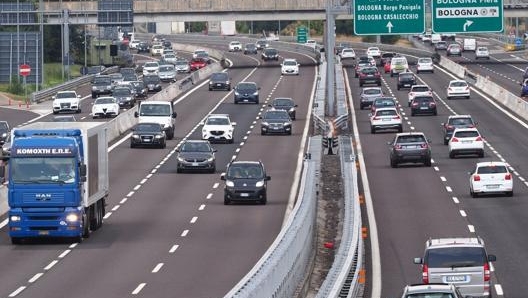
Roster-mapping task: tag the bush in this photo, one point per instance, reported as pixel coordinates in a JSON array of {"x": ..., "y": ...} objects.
[{"x": 15, "y": 85}]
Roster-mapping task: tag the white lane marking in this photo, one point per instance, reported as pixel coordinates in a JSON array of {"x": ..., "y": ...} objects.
[
  {"x": 17, "y": 291},
  {"x": 143, "y": 181},
  {"x": 184, "y": 233},
  {"x": 107, "y": 215},
  {"x": 449, "y": 189},
  {"x": 123, "y": 201},
  {"x": 138, "y": 288},
  {"x": 455, "y": 199},
  {"x": 157, "y": 268},
  {"x": 237, "y": 150},
  {"x": 50, "y": 265},
  {"x": 233, "y": 157},
  {"x": 471, "y": 228},
  {"x": 463, "y": 213},
  {"x": 65, "y": 253},
  {"x": 202, "y": 207},
  {"x": 116, "y": 207},
  {"x": 436, "y": 169},
  {"x": 443, "y": 178},
  {"x": 149, "y": 175},
  {"x": 173, "y": 248},
  {"x": 130, "y": 194},
  {"x": 522, "y": 178},
  {"x": 4, "y": 223},
  {"x": 194, "y": 219},
  {"x": 73, "y": 245},
  {"x": 137, "y": 187},
  {"x": 35, "y": 277},
  {"x": 210, "y": 195},
  {"x": 432, "y": 160},
  {"x": 498, "y": 290},
  {"x": 216, "y": 185}
]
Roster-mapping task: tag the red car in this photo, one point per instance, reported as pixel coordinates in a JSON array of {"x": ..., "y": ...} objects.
[
  {"x": 197, "y": 63},
  {"x": 386, "y": 66}
]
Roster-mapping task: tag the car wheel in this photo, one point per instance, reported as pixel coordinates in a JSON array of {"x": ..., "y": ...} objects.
[
  {"x": 361, "y": 107},
  {"x": 427, "y": 162},
  {"x": 467, "y": 97},
  {"x": 262, "y": 132},
  {"x": 372, "y": 130},
  {"x": 449, "y": 98},
  {"x": 451, "y": 154},
  {"x": 290, "y": 133},
  {"x": 227, "y": 201},
  {"x": 94, "y": 95},
  {"x": 472, "y": 193},
  {"x": 435, "y": 113},
  {"x": 170, "y": 134},
  {"x": 360, "y": 84},
  {"x": 393, "y": 163},
  {"x": 398, "y": 87},
  {"x": 509, "y": 193},
  {"x": 55, "y": 112},
  {"x": 446, "y": 141},
  {"x": 481, "y": 154},
  {"x": 163, "y": 145},
  {"x": 264, "y": 200},
  {"x": 132, "y": 145},
  {"x": 400, "y": 129},
  {"x": 178, "y": 170},
  {"x": 412, "y": 113},
  {"x": 417, "y": 71},
  {"x": 16, "y": 240}
]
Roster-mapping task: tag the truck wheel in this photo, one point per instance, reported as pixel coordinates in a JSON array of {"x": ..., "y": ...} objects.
[
  {"x": 86, "y": 225},
  {"x": 16, "y": 240},
  {"x": 55, "y": 112}
]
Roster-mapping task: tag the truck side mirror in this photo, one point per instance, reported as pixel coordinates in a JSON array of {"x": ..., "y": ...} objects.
[
  {"x": 2, "y": 173},
  {"x": 82, "y": 170},
  {"x": 136, "y": 114}
]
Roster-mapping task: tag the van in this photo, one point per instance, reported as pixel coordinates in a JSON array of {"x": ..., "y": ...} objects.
[
  {"x": 462, "y": 262},
  {"x": 435, "y": 38},
  {"x": 469, "y": 44},
  {"x": 398, "y": 64},
  {"x": 161, "y": 112}
]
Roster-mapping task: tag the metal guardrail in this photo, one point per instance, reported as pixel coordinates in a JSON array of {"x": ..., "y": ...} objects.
[
  {"x": 285, "y": 263},
  {"x": 342, "y": 279},
  {"x": 341, "y": 121},
  {"x": 46, "y": 94},
  {"x": 319, "y": 124}
]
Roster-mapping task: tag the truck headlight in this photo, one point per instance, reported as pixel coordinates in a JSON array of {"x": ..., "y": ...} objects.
[
  {"x": 15, "y": 218},
  {"x": 72, "y": 217}
]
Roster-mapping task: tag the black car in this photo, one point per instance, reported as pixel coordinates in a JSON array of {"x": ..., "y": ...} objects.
[
  {"x": 262, "y": 44},
  {"x": 148, "y": 134},
  {"x": 196, "y": 155},
  {"x": 4, "y": 132},
  {"x": 423, "y": 105},
  {"x": 456, "y": 121},
  {"x": 139, "y": 89},
  {"x": 250, "y": 48},
  {"x": 409, "y": 147},
  {"x": 406, "y": 80},
  {"x": 284, "y": 103},
  {"x": 275, "y": 122},
  {"x": 166, "y": 44},
  {"x": 245, "y": 181},
  {"x": 143, "y": 47},
  {"x": 219, "y": 81},
  {"x": 246, "y": 92},
  {"x": 270, "y": 54},
  {"x": 102, "y": 84},
  {"x": 124, "y": 97},
  {"x": 369, "y": 75},
  {"x": 152, "y": 82}
]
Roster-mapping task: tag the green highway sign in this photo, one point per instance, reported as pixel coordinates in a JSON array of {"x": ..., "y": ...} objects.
[
  {"x": 381, "y": 17},
  {"x": 302, "y": 34},
  {"x": 471, "y": 16}
]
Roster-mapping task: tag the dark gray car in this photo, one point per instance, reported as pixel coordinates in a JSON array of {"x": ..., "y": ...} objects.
[
  {"x": 285, "y": 103},
  {"x": 368, "y": 95},
  {"x": 409, "y": 147},
  {"x": 196, "y": 155},
  {"x": 246, "y": 92},
  {"x": 245, "y": 181},
  {"x": 275, "y": 122}
]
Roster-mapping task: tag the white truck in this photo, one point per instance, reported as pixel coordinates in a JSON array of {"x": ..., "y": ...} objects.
[
  {"x": 227, "y": 28},
  {"x": 161, "y": 112},
  {"x": 469, "y": 44}
]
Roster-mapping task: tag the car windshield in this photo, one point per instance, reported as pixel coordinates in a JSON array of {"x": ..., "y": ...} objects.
[
  {"x": 386, "y": 112},
  {"x": 121, "y": 92},
  {"x": 246, "y": 87},
  {"x": 271, "y": 52},
  {"x": 492, "y": 169},
  {"x": 154, "y": 110},
  {"x": 3, "y": 126},
  {"x": 195, "y": 147},
  {"x": 276, "y": 115},
  {"x": 181, "y": 62},
  {"x": 217, "y": 121},
  {"x": 452, "y": 257},
  {"x": 102, "y": 80},
  {"x": 151, "y": 127},
  {"x": 371, "y": 91},
  {"x": 411, "y": 139},
  {"x": 66, "y": 95},
  {"x": 245, "y": 171},
  {"x": 289, "y": 62},
  {"x": 460, "y": 121},
  {"x": 166, "y": 68},
  {"x": 105, "y": 100},
  {"x": 384, "y": 103},
  {"x": 219, "y": 76},
  {"x": 282, "y": 102}
]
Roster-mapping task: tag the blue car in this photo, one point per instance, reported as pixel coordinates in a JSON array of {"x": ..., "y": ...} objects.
[{"x": 524, "y": 88}]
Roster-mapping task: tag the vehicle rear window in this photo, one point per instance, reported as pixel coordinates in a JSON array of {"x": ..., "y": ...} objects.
[
  {"x": 430, "y": 295},
  {"x": 406, "y": 76},
  {"x": 467, "y": 134},
  {"x": 386, "y": 113},
  {"x": 458, "y": 84},
  {"x": 423, "y": 99},
  {"x": 369, "y": 70},
  {"x": 460, "y": 121},
  {"x": 455, "y": 257},
  {"x": 411, "y": 139},
  {"x": 384, "y": 103},
  {"x": 420, "y": 89},
  {"x": 371, "y": 91},
  {"x": 492, "y": 170}
]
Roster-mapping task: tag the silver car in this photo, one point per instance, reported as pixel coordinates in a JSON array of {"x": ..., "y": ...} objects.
[
  {"x": 462, "y": 262},
  {"x": 167, "y": 73}
]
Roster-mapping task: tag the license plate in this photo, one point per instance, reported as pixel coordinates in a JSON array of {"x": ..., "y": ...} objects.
[
  {"x": 244, "y": 195},
  {"x": 43, "y": 232},
  {"x": 466, "y": 142},
  {"x": 194, "y": 164},
  {"x": 424, "y": 108},
  {"x": 493, "y": 186},
  {"x": 456, "y": 278},
  {"x": 245, "y": 100},
  {"x": 218, "y": 85},
  {"x": 411, "y": 147},
  {"x": 407, "y": 85},
  {"x": 385, "y": 119}
]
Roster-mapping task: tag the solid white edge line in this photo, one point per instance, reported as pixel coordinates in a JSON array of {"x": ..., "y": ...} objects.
[
  {"x": 184, "y": 233},
  {"x": 374, "y": 241},
  {"x": 4, "y": 223},
  {"x": 65, "y": 253}
]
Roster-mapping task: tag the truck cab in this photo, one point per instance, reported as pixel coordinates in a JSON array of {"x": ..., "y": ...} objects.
[{"x": 161, "y": 112}]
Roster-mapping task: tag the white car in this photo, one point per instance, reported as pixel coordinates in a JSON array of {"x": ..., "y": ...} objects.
[
  {"x": 170, "y": 58},
  {"x": 235, "y": 46},
  {"x": 418, "y": 90},
  {"x": 290, "y": 66},
  {"x": 490, "y": 177},
  {"x": 385, "y": 118},
  {"x": 66, "y": 101},
  {"x": 311, "y": 43},
  {"x": 458, "y": 88},
  {"x": 347, "y": 53},
  {"x": 398, "y": 64},
  {"x": 150, "y": 68},
  {"x": 105, "y": 107},
  {"x": 424, "y": 64},
  {"x": 218, "y": 128},
  {"x": 156, "y": 50},
  {"x": 133, "y": 44},
  {"x": 466, "y": 141},
  {"x": 199, "y": 52},
  {"x": 373, "y": 51},
  {"x": 482, "y": 52}
]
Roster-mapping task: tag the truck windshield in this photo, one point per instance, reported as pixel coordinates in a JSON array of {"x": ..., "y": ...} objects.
[
  {"x": 154, "y": 110},
  {"x": 42, "y": 170}
]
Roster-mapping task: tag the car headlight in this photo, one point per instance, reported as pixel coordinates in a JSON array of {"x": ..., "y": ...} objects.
[
  {"x": 15, "y": 218},
  {"x": 158, "y": 136},
  {"x": 181, "y": 159},
  {"x": 256, "y": 93},
  {"x": 211, "y": 159},
  {"x": 236, "y": 93},
  {"x": 230, "y": 183},
  {"x": 291, "y": 110},
  {"x": 265, "y": 123},
  {"x": 72, "y": 217},
  {"x": 259, "y": 183},
  {"x": 135, "y": 136}
]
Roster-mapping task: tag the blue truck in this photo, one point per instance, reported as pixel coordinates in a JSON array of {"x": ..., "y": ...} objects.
[{"x": 57, "y": 180}]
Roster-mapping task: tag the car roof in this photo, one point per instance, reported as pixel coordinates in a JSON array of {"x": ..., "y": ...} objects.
[
  {"x": 425, "y": 288},
  {"x": 386, "y": 109},
  {"x": 410, "y": 133},
  {"x": 290, "y": 59},
  {"x": 466, "y": 129},
  {"x": 236, "y": 162},
  {"x": 218, "y": 116},
  {"x": 419, "y": 86},
  {"x": 454, "y": 81},
  {"x": 455, "y": 241},
  {"x": 371, "y": 88},
  {"x": 492, "y": 163}
]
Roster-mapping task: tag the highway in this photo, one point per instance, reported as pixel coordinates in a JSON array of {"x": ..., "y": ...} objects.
[
  {"x": 415, "y": 203},
  {"x": 168, "y": 234}
]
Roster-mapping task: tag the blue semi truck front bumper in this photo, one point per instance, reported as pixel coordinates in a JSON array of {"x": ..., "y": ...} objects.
[{"x": 45, "y": 223}]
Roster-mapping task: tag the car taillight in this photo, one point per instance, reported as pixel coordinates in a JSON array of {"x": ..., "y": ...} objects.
[
  {"x": 507, "y": 177},
  {"x": 453, "y": 139},
  {"x": 478, "y": 139},
  {"x": 425, "y": 274},
  {"x": 476, "y": 178},
  {"x": 487, "y": 271},
  {"x": 450, "y": 127},
  {"x": 396, "y": 117},
  {"x": 398, "y": 146},
  {"x": 414, "y": 104},
  {"x": 424, "y": 146},
  {"x": 432, "y": 104},
  {"x": 376, "y": 118}
]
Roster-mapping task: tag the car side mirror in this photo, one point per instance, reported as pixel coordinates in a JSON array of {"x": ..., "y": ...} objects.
[
  {"x": 492, "y": 258},
  {"x": 268, "y": 178},
  {"x": 295, "y": 105},
  {"x": 258, "y": 88},
  {"x": 78, "y": 96},
  {"x": 215, "y": 150},
  {"x": 53, "y": 97},
  {"x": 442, "y": 124},
  {"x": 233, "y": 123},
  {"x": 174, "y": 115},
  {"x": 418, "y": 261},
  {"x": 223, "y": 176}
]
